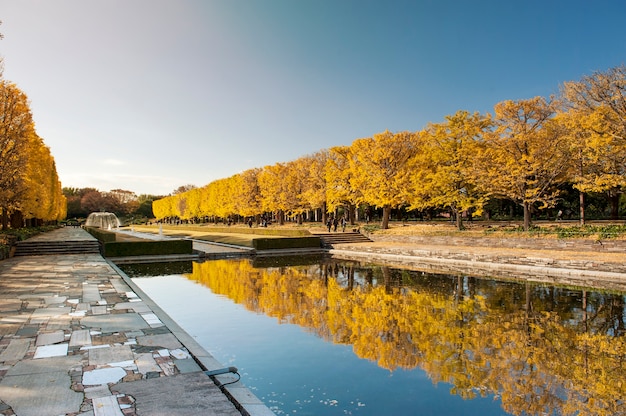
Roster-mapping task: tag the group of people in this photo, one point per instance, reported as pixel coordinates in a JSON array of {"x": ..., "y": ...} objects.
[{"x": 333, "y": 222}]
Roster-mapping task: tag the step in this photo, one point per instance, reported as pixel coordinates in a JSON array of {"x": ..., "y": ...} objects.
[
  {"x": 328, "y": 239},
  {"x": 38, "y": 248}
]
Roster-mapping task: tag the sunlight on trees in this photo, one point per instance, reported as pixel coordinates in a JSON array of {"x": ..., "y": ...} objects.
[
  {"x": 526, "y": 152},
  {"x": 30, "y": 191}
]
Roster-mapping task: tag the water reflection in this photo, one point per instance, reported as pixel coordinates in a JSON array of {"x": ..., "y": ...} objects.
[{"x": 539, "y": 349}]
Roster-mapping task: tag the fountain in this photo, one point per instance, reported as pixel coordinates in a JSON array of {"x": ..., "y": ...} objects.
[{"x": 103, "y": 220}]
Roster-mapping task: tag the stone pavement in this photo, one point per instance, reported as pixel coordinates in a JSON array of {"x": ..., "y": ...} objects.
[{"x": 79, "y": 338}]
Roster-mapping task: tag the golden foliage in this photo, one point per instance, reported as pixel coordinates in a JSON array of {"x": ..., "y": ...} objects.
[{"x": 536, "y": 363}]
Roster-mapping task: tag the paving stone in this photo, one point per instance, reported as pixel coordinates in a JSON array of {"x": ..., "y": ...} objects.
[
  {"x": 114, "y": 354},
  {"x": 161, "y": 340},
  {"x": 16, "y": 350},
  {"x": 106, "y": 406},
  {"x": 91, "y": 293},
  {"x": 26, "y": 330},
  {"x": 24, "y": 394},
  {"x": 80, "y": 337},
  {"x": 55, "y": 350},
  {"x": 103, "y": 376},
  {"x": 45, "y": 365},
  {"x": 42, "y": 315},
  {"x": 187, "y": 365},
  {"x": 98, "y": 310},
  {"x": 115, "y": 322},
  {"x": 52, "y": 300},
  {"x": 7, "y": 305},
  {"x": 194, "y": 393},
  {"x": 146, "y": 364},
  {"x": 97, "y": 391},
  {"x": 10, "y": 329},
  {"x": 50, "y": 338},
  {"x": 139, "y": 307}
]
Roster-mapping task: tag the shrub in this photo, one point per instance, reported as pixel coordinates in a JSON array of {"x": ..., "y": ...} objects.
[{"x": 287, "y": 242}]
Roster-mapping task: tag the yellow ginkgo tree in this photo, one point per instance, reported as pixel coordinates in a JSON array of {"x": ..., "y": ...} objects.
[
  {"x": 380, "y": 169},
  {"x": 526, "y": 156},
  {"x": 442, "y": 173},
  {"x": 596, "y": 114}
]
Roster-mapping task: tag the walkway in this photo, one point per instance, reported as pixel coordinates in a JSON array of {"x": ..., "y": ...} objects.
[{"x": 79, "y": 338}]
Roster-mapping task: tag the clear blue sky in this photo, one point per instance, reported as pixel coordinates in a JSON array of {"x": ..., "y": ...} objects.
[{"x": 148, "y": 95}]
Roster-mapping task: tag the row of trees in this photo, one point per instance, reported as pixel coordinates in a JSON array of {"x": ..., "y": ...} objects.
[
  {"x": 527, "y": 151},
  {"x": 30, "y": 190}
]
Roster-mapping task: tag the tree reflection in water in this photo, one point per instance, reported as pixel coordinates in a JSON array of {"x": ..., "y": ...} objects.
[{"x": 540, "y": 349}]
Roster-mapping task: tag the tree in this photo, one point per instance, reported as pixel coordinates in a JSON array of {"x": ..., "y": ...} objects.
[
  {"x": 183, "y": 188},
  {"x": 380, "y": 169},
  {"x": 16, "y": 126},
  {"x": 442, "y": 174},
  {"x": 338, "y": 177},
  {"x": 597, "y": 118},
  {"x": 526, "y": 157},
  {"x": 314, "y": 184}
]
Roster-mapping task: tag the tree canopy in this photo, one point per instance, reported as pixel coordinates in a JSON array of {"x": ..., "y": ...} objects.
[{"x": 526, "y": 152}]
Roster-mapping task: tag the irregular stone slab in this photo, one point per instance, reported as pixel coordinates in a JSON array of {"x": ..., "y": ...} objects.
[
  {"x": 16, "y": 319},
  {"x": 91, "y": 293},
  {"x": 194, "y": 393},
  {"x": 42, "y": 315},
  {"x": 50, "y": 338},
  {"x": 52, "y": 300},
  {"x": 106, "y": 406},
  {"x": 62, "y": 322},
  {"x": 168, "y": 341},
  {"x": 16, "y": 350},
  {"x": 80, "y": 337},
  {"x": 45, "y": 365},
  {"x": 98, "y": 310},
  {"x": 103, "y": 376},
  {"x": 25, "y": 394},
  {"x": 7, "y": 305},
  {"x": 152, "y": 320},
  {"x": 114, "y": 354},
  {"x": 146, "y": 364},
  {"x": 10, "y": 329},
  {"x": 120, "y": 286},
  {"x": 28, "y": 331},
  {"x": 115, "y": 322},
  {"x": 139, "y": 307},
  {"x": 97, "y": 391},
  {"x": 47, "y": 351},
  {"x": 187, "y": 365}
]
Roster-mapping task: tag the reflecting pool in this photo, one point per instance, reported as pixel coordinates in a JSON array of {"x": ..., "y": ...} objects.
[{"x": 334, "y": 337}]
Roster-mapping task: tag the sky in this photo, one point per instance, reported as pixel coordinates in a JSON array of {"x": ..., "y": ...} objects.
[{"x": 150, "y": 95}]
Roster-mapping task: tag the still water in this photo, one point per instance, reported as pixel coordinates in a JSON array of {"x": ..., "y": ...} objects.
[{"x": 334, "y": 337}]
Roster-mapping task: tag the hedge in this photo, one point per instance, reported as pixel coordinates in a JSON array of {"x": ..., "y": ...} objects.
[
  {"x": 240, "y": 230},
  {"x": 147, "y": 248},
  {"x": 287, "y": 242},
  {"x": 102, "y": 235}
]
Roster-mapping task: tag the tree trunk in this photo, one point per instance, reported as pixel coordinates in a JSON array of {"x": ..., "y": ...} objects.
[
  {"x": 458, "y": 219},
  {"x": 526, "y": 206},
  {"x": 5, "y": 220},
  {"x": 386, "y": 213},
  {"x": 614, "y": 198},
  {"x": 581, "y": 199}
]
